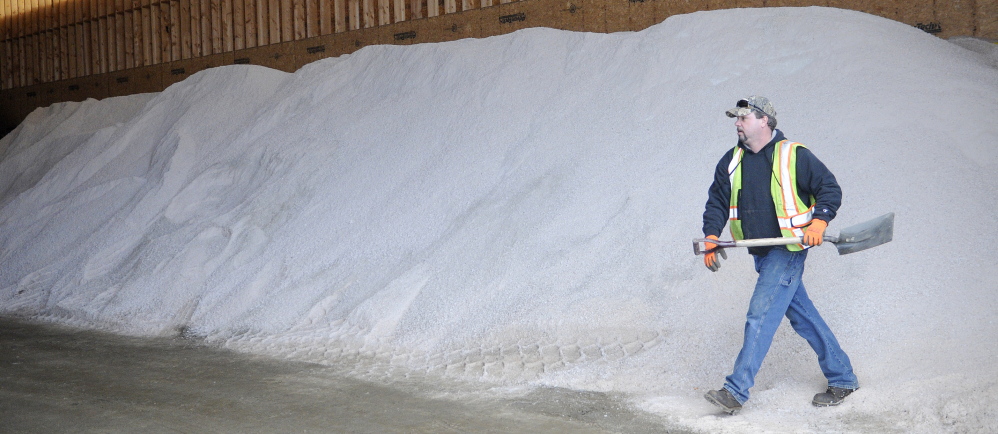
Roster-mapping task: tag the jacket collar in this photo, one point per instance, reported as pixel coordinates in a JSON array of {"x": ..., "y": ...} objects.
[{"x": 768, "y": 149}]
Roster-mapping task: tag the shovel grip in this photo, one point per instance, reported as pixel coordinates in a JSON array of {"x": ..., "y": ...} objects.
[{"x": 759, "y": 242}]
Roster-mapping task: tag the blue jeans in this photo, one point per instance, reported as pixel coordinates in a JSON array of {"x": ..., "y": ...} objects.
[{"x": 778, "y": 292}]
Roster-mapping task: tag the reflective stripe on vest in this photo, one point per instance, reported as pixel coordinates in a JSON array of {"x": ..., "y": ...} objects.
[{"x": 792, "y": 215}]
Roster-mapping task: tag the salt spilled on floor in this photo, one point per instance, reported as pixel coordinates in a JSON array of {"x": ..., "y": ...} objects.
[{"x": 519, "y": 210}]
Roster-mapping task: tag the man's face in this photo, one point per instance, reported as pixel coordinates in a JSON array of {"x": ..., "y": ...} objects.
[{"x": 752, "y": 130}]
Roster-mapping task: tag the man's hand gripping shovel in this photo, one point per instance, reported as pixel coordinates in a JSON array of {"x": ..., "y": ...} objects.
[{"x": 850, "y": 240}]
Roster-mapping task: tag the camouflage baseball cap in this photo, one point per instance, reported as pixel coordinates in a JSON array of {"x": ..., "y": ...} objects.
[{"x": 744, "y": 107}]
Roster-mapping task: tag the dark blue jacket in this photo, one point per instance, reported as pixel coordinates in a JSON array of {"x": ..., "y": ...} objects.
[{"x": 755, "y": 205}]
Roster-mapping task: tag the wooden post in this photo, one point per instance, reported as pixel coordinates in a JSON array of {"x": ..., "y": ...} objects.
[
  {"x": 156, "y": 31},
  {"x": 22, "y": 61},
  {"x": 21, "y": 42},
  {"x": 205, "y": 23},
  {"x": 298, "y": 24},
  {"x": 384, "y": 12},
  {"x": 86, "y": 61},
  {"x": 339, "y": 16},
  {"x": 121, "y": 33},
  {"x": 432, "y": 8},
  {"x": 69, "y": 44},
  {"x": 195, "y": 29},
  {"x": 45, "y": 38},
  {"x": 131, "y": 39},
  {"x": 175, "y": 31},
  {"x": 274, "y": 20},
  {"x": 5, "y": 47},
  {"x": 39, "y": 38},
  {"x": 369, "y": 13},
  {"x": 60, "y": 40},
  {"x": 399, "y": 10},
  {"x": 326, "y": 16},
  {"x": 98, "y": 38},
  {"x": 36, "y": 48},
  {"x": 312, "y": 17},
  {"x": 263, "y": 22},
  {"x": 228, "y": 25},
  {"x": 147, "y": 32},
  {"x": 287, "y": 25},
  {"x": 184, "y": 14},
  {"x": 166, "y": 30},
  {"x": 238, "y": 25},
  {"x": 249, "y": 22},
  {"x": 136, "y": 37},
  {"x": 216, "y": 27},
  {"x": 113, "y": 24},
  {"x": 261, "y": 18},
  {"x": 417, "y": 9},
  {"x": 17, "y": 49},
  {"x": 354, "y": 14},
  {"x": 53, "y": 36}
]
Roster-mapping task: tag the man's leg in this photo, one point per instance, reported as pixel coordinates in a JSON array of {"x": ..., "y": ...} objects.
[
  {"x": 779, "y": 276},
  {"x": 806, "y": 321}
]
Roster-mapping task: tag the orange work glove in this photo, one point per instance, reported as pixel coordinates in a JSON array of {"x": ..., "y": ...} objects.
[
  {"x": 815, "y": 233},
  {"x": 710, "y": 258}
]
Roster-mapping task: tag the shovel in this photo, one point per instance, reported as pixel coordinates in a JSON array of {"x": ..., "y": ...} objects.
[{"x": 850, "y": 240}]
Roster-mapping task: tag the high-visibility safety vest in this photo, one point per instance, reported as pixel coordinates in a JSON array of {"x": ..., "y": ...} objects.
[{"x": 791, "y": 213}]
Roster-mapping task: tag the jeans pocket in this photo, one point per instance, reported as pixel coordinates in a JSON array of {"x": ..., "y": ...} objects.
[{"x": 787, "y": 280}]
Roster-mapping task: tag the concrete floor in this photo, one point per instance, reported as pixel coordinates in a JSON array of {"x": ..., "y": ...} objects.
[{"x": 54, "y": 379}]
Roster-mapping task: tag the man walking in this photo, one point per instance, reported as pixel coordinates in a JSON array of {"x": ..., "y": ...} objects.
[{"x": 769, "y": 187}]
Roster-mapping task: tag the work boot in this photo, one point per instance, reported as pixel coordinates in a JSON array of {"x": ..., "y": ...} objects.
[
  {"x": 724, "y": 399},
  {"x": 832, "y": 396}
]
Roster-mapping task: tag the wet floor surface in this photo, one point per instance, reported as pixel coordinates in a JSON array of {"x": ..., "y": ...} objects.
[{"x": 54, "y": 379}]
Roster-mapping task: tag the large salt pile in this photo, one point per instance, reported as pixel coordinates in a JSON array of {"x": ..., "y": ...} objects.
[{"x": 519, "y": 210}]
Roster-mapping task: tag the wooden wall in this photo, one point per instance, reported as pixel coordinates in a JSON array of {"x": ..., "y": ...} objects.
[
  {"x": 66, "y": 50},
  {"x": 51, "y": 40}
]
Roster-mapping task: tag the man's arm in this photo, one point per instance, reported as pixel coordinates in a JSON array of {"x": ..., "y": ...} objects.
[
  {"x": 715, "y": 215},
  {"x": 814, "y": 179}
]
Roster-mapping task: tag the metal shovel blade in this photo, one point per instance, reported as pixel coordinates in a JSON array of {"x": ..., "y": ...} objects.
[{"x": 865, "y": 235}]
